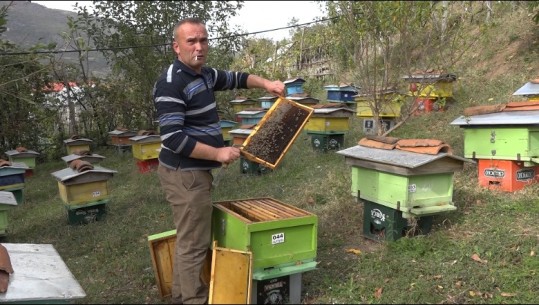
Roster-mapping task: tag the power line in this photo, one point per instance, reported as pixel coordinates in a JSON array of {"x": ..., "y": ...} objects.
[{"x": 163, "y": 44}]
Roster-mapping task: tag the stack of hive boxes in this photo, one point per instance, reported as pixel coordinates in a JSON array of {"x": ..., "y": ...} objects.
[
  {"x": 327, "y": 126},
  {"x": 85, "y": 190},
  {"x": 75, "y": 144},
  {"x": 401, "y": 188},
  {"x": 12, "y": 178},
  {"x": 119, "y": 138},
  {"x": 145, "y": 147},
  {"x": 430, "y": 89},
  {"x": 504, "y": 138}
]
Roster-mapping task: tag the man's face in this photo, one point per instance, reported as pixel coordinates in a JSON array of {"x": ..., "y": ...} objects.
[{"x": 191, "y": 45}]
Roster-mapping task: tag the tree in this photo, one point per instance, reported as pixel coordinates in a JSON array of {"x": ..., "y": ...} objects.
[{"x": 135, "y": 37}]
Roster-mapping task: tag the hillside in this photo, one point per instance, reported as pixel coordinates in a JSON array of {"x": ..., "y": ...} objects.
[{"x": 31, "y": 23}]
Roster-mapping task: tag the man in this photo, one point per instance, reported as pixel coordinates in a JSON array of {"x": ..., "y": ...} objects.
[{"x": 191, "y": 146}]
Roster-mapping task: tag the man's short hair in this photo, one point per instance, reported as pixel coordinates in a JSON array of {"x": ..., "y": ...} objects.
[{"x": 192, "y": 20}]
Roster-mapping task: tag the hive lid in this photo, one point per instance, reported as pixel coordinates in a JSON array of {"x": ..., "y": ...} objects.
[
  {"x": 331, "y": 110},
  {"x": 241, "y": 131},
  {"x": 122, "y": 132},
  {"x": 14, "y": 152},
  {"x": 250, "y": 112},
  {"x": 72, "y": 157},
  {"x": 17, "y": 165},
  {"x": 68, "y": 173},
  {"x": 79, "y": 140},
  {"x": 146, "y": 139},
  {"x": 499, "y": 118},
  {"x": 7, "y": 198},
  {"x": 395, "y": 157},
  {"x": 528, "y": 89}
]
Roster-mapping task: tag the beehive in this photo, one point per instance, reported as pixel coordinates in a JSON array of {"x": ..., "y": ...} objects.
[
  {"x": 85, "y": 187},
  {"x": 86, "y": 213},
  {"x": 341, "y": 93},
  {"x": 27, "y": 157},
  {"x": 502, "y": 136},
  {"x": 92, "y": 158},
  {"x": 121, "y": 137},
  {"x": 239, "y": 135},
  {"x": 251, "y": 116},
  {"x": 303, "y": 99},
  {"x": 431, "y": 85},
  {"x": 294, "y": 85},
  {"x": 267, "y": 101},
  {"x": 416, "y": 184},
  {"x": 390, "y": 102},
  {"x": 7, "y": 200},
  {"x": 325, "y": 141},
  {"x": 145, "y": 147},
  {"x": 530, "y": 90},
  {"x": 79, "y": 144},
  {"x": 241, "y": 103},
  {"x": 279, "y": 235},
  {"x": 330, "y": 119},
  {"x": 12, "y": 179},
  {"x": 226, "y": 127},
  {"x": 276, "y": 132}
]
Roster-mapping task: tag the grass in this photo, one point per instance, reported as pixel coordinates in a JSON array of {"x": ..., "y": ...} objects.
[{"x": 111, "y": 258}]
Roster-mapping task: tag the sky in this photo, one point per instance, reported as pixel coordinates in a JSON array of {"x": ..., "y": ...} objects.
[{"x": 255, "y": 16}]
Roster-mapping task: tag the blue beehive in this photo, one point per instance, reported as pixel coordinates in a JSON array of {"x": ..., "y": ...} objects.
[
  {"x": 251, "y": 116},
  {"x": 341, "y": 93},
  {"x": 294, "y": 85},
  {"x": 267, "y": 101}
]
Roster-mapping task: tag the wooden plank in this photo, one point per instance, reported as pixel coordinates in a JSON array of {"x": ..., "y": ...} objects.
[
  {"x": 260, "y": 214},
  {"x": 277, "y": 205},
  {"x": 278, "y": 211},
  {"x": 246, "y": 213},
  {"x": 270, "y": 215}
]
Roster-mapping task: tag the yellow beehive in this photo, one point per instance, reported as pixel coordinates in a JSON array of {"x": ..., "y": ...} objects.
[
  {"x": 77, "y": 188},
  {"x": 327, "y": 119},
  {"x": 390, "y": 100},
  {"x": 77, "y": 144},
  {"x": 146, "y": 147}
]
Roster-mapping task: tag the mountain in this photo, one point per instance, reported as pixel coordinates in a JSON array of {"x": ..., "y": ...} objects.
[{"x": 31, "y": 23}]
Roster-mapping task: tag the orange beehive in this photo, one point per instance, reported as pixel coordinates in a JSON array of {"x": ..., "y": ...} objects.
[{"x": 506, "y": 175}]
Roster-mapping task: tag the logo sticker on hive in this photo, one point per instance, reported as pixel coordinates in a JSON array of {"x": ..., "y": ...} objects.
[
  {"x": 378, "y": 216},
  {"x": 495, "y": 173},
  {"x": 525, "y": 174}
]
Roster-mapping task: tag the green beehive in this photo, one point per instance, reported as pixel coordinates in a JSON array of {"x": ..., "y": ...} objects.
[
  {"x": 503, "y": 136},
  {"x": 282, "y": 238},
  {"x": 7, "y": 200},
  {"x": 86, "y": 213},
  {"x": 27, "y": 157},
  {"x": 416, "y": 184}
]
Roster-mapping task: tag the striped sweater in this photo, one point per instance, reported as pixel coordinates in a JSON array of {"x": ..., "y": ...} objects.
[{"x": 187, "y": 112}]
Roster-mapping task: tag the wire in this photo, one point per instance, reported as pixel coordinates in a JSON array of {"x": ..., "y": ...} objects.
[{"x": 163, "y": 44}]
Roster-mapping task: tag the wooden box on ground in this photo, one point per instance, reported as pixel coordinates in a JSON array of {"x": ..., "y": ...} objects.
[
  {"x": 121, "y": 137},
  {"x": 27, "y": 157},
  {"x": 416, "y": 184},
  {"x": 146, "y": 146},
  {"x": 80, "y": 144},
  {"x": 83, "y": 187},
  {"x": 510, "y": 135},
  {"x": 7, "y": 200},
  {"x": 278, "y": 129},
  {"x": 506, "y": 175},
  {"x": 40, "y": 276},
  {"x": 86, "y": 213},
  {"x": 281, "y": 237},
  {"x": 382, "y": 223},
  {"x": 325, "y": 141}
]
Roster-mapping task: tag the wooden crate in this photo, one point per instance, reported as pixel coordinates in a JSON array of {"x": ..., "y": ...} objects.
[{"x": 278, "y": 129}]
